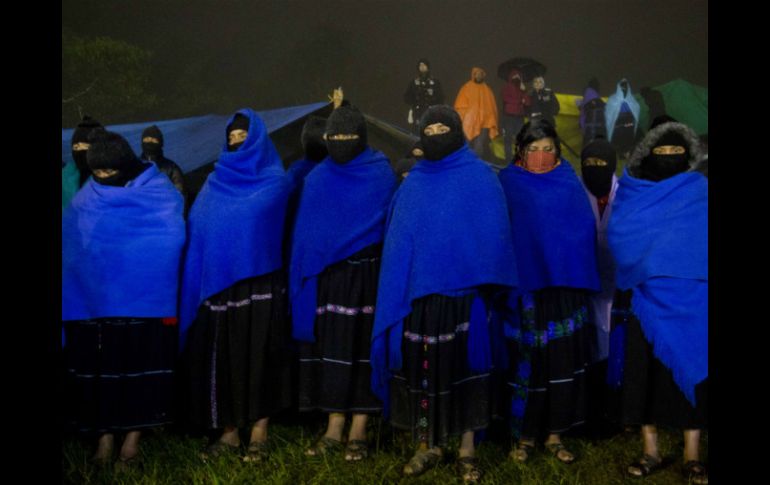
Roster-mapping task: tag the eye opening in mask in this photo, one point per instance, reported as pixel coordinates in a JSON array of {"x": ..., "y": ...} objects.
[
  {"x": 436, "y": 129},
  {"x": 342, "y": 136},
  {"x": 594, "y": 162},
  {"x": 668, "y": 150},
  {"x": 105, "y": 172},
  {"x": 236, "y": 136},
  {"x": 150, "y": 139},
  {"x": 80, "y": 146}
]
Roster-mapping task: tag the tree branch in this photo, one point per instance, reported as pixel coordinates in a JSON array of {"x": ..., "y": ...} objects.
[{"x": 73, "y": 98}]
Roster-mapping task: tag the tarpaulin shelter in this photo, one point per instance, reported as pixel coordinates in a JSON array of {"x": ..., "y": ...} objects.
[{"x": 195, "y": 143}]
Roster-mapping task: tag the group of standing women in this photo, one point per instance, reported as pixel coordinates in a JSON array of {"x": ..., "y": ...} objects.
[{"x": 360, "y": 298}]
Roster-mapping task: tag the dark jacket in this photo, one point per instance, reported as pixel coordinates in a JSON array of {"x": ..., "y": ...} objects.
[
  {"x": 423, "y": 93},
  {"x": 544, "y": 105}
]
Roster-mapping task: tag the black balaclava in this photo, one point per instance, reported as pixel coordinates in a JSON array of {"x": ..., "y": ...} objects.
[
  {"x": 427, "y": 64},
  {"x": 110, "y": 150},
  {"x": 659, "y": 167},
  {"x": 152, "y": 151},
  {"x": 240, "y": 122},
  {"x": 312, "y": 139},
  {"x": 598, "y": 179},
  {"x": 346, "y": 120},
  {"x": 659, "y": 120},
  {"x": 80, "y": 135},
  {"x": 437, "y": 147}
]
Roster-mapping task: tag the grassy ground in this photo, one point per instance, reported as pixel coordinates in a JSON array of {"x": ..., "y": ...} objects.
[{"x": 172, "y": 458}]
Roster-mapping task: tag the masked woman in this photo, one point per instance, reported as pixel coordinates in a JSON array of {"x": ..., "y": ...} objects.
[
  {"x": 554, "y": 236},
  {"x": 335, "y": 262},
  {"x": 122, "y": 240},
  {"x": 234, "y": 324},
  {"x": 658, "y": 235},
  {"x": 448, "y": 251}
]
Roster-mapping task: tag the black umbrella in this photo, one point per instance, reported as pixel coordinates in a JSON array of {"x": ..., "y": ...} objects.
[{"x": 528, "y": 67}]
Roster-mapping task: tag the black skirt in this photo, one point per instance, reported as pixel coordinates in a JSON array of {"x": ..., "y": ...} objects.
[
  {"x": 648, "y": 393},
  {"x": 549, "y": 357},
  {"x": 238, "y": 358},
  {"x": 119, "y": 373},
  {"x": 436, "y": 395},
  {"x": 334, "y": 371}
]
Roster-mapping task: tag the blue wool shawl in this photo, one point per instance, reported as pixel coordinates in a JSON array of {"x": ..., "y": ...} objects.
[
  {"x": 235, "y": 227},
  {"x": 554, "y": 230},
  {"x": 297, "y": 172},
  {"x": 122, "y": 248},
  {"x": 658, "y": 235},
  {"x": 448, "y": 233},
  {"x": 342, "y": 210},
  {"x": 614, "y": 105}
]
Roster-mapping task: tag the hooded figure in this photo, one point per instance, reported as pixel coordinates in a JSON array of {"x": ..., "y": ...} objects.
[
  {"x": 658, "y": 235},
  {"x": 335, "y": 259},
  {"x": 477, "y": 108},
  {"x": 545, "y": 105},
  {"x": 443, "y": 261},
  {"x": 80, "y": 145},
  {"x": 152, "y": 150},
  {"x": 598, "y": 162},
  {"x": 554, "y": 236},
  {"x": 74, "y": 175},
  {"x": 621, "y": 115},
  {"x": 111, "y": 159},
  {"x": 592, "y": 113},
  {"x": 516, "y": 104},
  {"x": 314, "y": 147},
  {"x": 122, "y": 241},
  {"x": 424, "y": 91},
  {"x": 235, "y": 331}
]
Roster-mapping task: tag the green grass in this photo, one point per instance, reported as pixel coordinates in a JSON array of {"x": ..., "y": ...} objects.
[{"x": 170, "y": 458}]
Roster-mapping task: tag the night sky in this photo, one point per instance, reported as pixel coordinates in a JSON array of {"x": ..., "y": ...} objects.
[{"x": 268, "y": 54}]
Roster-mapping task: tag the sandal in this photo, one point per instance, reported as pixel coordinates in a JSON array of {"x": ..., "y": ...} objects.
[
  {"x": 356, "y": 450},
  {"x": 421, "y": 462},
  {"x": 125, "y": 464},
  {"x": 560, "y": 452},
  {"x": 468, "y": 468},
  {"x": 324, "y": 446},
  {"x": 256, "y": 452},
  {"x": 521, "y": 452},
  {"x": 695, "y": 472},
  {"x": 217, "y": 449},
  {"x": 644, "y": 466}
]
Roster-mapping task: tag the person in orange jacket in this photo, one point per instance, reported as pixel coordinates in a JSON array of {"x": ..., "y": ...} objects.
[{"x": 477, "y": 108}]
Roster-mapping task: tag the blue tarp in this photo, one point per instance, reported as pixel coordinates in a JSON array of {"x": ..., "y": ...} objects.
[{"x": 194, "y": 142}]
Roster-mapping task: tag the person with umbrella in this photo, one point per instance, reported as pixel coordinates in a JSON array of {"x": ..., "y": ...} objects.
[{"x": 516, "y": 102}]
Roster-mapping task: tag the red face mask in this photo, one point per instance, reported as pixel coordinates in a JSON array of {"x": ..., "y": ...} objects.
[{"x": 540, "y": 161}]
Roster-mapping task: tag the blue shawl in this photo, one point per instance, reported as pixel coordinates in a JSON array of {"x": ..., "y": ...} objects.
[
  {"x": 614, "y": 105},
  {"x": 448, "y": 231},
  {"x": 235, "y": 227},
  {"x": 297, "y": 172},
  {"x": 658, "y": 235},
  {"x": 122, "y": 248},
  {"x": 554, "y": 231},
  {"x": 342, "y": 210}
]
